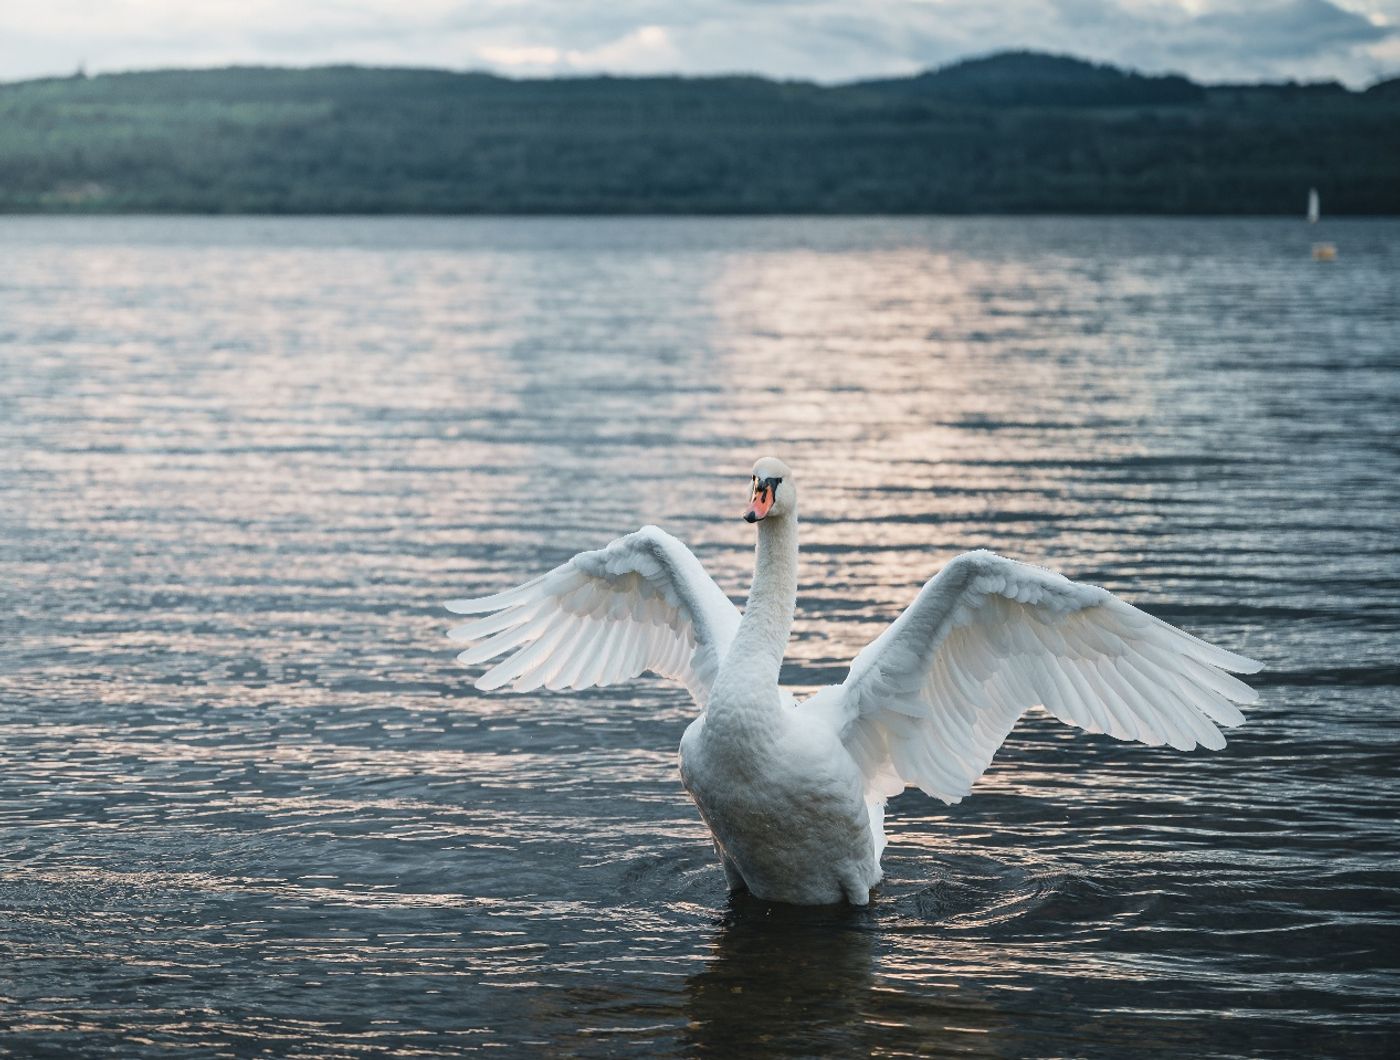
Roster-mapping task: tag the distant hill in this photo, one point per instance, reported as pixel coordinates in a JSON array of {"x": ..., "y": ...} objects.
[
  {"x": 1034, "y": 79},
  {"x": 1012, "y": 133}
]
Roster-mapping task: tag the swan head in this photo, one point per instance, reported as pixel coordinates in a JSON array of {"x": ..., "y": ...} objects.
[{"x": 773, "y": 492}]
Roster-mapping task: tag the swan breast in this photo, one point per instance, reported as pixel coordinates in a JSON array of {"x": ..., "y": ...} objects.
[{"x": 788, "y": 810}]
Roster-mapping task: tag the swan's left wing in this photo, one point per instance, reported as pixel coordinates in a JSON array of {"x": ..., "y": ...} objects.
[
  {"x": 929, "y": 702},
  {"x": 642, "y": 603}
]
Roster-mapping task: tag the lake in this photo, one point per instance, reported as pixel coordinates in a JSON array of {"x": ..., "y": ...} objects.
[{"x": 250, "y": 805}]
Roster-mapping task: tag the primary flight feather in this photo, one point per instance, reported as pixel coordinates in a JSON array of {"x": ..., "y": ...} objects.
[{"x": 794, "y": 793}]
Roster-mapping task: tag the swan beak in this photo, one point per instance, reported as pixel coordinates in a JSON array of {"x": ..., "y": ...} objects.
[{"x": 761, "y": 500}]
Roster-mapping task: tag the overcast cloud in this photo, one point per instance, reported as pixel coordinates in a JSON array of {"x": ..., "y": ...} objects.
[{"x": 1356, "y": 41}]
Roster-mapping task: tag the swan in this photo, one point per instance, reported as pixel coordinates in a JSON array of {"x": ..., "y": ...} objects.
[{"x": 794, "y": 793}]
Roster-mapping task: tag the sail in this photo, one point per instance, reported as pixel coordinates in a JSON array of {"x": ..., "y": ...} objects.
[{"x": 1314, "y": 206}]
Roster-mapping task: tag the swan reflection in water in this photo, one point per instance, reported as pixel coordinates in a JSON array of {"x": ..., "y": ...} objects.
[
  {"x": 803, "y": 980},
  {"x": 782, "y": 978}
]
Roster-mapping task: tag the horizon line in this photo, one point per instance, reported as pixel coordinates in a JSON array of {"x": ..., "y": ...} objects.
[{"x": 81, "y": 72}]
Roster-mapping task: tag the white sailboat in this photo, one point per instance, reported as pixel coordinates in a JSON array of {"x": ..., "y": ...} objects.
[{"x": 1320, "y": 251}]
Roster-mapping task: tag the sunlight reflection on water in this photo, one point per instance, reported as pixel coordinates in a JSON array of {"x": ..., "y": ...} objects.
[{"x": 249, "y": 803}]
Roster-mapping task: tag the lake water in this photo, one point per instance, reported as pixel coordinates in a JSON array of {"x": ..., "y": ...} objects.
[{"x": 250, "y": 805}]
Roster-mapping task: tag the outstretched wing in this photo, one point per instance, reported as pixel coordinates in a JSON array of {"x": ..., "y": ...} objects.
[
  {"x": 929, "y": 702},
  {"x": 642, "y": 603}
]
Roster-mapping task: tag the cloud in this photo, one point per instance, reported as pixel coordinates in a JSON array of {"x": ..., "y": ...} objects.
[
  {"x": 645, "y": 50},
  {"x": 824, "y": 40},
  {"x": 1299, "y": 29},
  {"x": 1301, "y": 39}
]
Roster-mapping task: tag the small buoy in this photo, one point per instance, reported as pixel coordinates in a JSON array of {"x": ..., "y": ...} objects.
[{"x": 1324, "y": 252}]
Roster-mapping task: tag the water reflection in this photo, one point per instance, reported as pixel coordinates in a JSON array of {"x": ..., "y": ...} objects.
[{"x": 783, "y": 980}]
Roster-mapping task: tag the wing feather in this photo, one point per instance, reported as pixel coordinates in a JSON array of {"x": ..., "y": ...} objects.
[
  {"x": 531, "y": 625},
  {"x": 931, "y": 699},
  {"x": 606, "y": 643},
  {"x": 642, "y": 603}
]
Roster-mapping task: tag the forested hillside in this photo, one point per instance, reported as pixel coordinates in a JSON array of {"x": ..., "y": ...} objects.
[{"x": 1018, "y": 132}]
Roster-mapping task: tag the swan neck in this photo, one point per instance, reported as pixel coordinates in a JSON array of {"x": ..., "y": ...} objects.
[{"x": 762, "y": 638}]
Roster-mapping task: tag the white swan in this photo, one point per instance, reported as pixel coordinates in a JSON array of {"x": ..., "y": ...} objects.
[{"x": 793, "y": 793}]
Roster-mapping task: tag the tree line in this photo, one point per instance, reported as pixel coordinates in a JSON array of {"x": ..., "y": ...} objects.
[{"x": 1012, "y": 133}]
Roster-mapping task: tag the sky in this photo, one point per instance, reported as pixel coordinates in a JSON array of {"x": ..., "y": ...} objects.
[{"x": 1355, "y": 41}]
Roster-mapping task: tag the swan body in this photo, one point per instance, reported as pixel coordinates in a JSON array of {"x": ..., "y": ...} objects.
[
  {"x": 787, "y": 809},
  {"x": 794, "y": 793}
]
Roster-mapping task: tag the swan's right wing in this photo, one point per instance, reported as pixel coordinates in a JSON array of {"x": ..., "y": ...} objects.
[
  {"x": 642, "y": 603},
  {"x": 930, "y": 701}
]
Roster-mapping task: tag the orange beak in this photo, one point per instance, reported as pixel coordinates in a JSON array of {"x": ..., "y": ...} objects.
[{"x": 760, "y": 501}]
